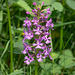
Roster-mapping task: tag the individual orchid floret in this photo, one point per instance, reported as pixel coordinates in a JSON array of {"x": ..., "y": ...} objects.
[
  {"x": 38, "y": 44},
  {"x": 27, "y": 23},
  {"x": 47, "y": 40},
  {"x": 37, "y": 31},
  {"x": 35, "y": 22},
  {"x": 48, "y": 23},
  {"x": 27, "y": 60},
  {"x": 28, "y": 35},
  {"x": 39, "y": 57}
]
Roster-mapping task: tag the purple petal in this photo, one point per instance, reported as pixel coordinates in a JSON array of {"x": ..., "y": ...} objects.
[
  {"x": 34, "y": 44},
  {"x": 40, "y": 60},
  {"x": 27, "y": 62},
  {"x": 47, "y": 42},
  {"x": 24, "y": 52},
  {"x": 38, "y": 46}
]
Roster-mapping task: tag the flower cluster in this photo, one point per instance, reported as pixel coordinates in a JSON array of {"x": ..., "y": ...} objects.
[{"x": 38, "y": 30}]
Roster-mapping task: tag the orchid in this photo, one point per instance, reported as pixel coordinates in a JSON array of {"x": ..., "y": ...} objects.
[
  {"x": 40, "y": 48},
  {"x": 37, "y": 31}
]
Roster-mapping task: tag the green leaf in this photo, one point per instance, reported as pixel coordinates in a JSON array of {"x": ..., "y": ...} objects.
[
  {"x": 18, "y": 44},
  {"x": 54, "y": 55},
  {"x": 66, "y": 59},
  {"x": 20, "y": 29},
  {"x": 56, "y": 68},
  {"x": 44, "y": 72},
  {"x": 23, "y": 4},
  {"x": 1, "y": 18},
  {"x": 48, "y": 67},
  {"x": 57, "y": 6},
  {"x": 71, "y": 3},
  {"x": 73, "y": 73},
  {"x": 45, "y": 65},
  {"x": 16, "y": 72}
]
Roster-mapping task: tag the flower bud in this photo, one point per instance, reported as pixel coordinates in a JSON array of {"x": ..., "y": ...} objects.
[
  {"x": 48, "y": 9},
  {"x": 34, "y": 3},
  {"x": 42, "y": 3},
  {"x": 27, "y": 12}
]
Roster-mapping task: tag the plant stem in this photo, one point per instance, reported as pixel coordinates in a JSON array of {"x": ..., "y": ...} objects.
[
  {"x": 36, "y": 67},
  {"x": 61, "y": 30},
  {"x": 52, "y": 51},
  {"x": 27, "y": 69},
  {"x": 19, "y": 20},
  {"x": 30, "y": 69},
  {"x": 11, "y": 47}
]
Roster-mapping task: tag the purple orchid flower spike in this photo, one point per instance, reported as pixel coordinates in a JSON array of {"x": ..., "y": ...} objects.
[{"x": 36, "y": 33}]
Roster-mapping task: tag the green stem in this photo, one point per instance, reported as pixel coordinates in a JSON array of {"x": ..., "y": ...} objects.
[
  {"x": 52, "y": 51},
  {"x": 36, "y": 67},
  {"x": 11, "y": 47},
  {"x": 19, "y": 20},
  {"x": 30, "y": 69},
  {"x": 61, "y": 30},
  {"x": 61, "y": 39},
  {"x": 27, "y": 70}
]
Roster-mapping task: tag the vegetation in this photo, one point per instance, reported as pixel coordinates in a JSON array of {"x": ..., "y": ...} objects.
[{"x": 12, "y": 15}]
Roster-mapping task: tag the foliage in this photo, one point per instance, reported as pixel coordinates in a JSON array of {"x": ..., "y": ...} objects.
[{"x": 63, "y": 12}]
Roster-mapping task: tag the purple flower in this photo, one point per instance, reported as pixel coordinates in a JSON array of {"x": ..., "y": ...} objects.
[
  {"x": 39, "y": 57},
  {"x": 37, "y": 31},
  {"x": 47, "y": 40},
  {"x": 27, "y": 23},
  {"x": 52, "y": 25},
  {"x": 28, "y": 35},
  {"x": 24, "y": 51},
  {"x": 38, "y": 44},
  {"x": 48, "y": 23},
  {"x": 35, "y": 22}
]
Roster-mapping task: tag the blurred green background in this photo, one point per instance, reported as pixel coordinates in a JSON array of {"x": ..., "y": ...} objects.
[{"x": 12, "y": 15}]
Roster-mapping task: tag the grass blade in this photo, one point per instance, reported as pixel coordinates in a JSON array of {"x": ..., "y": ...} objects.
[
  {"x": 63, "y": 24},
  {"x": 5, "y": 49}
]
